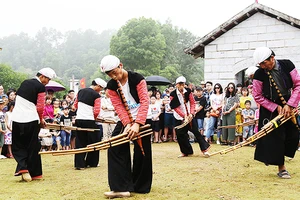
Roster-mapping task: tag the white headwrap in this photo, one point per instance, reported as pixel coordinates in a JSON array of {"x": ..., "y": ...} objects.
[
  {"x": 180, "y": 79},
  {"x": 109, "y": 62},
  {"x": 100, "y": 82},
  {"x": 261, "y": 54},
  {"x": 48, "y": 72},
  {"x": 251, "y": 70}
]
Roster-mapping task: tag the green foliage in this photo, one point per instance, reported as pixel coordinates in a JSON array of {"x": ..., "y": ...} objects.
[
  {"x": 75, "y": 53},
  {"x": 9, "y": 78},
  {"x": 143, "y": 45},
  {"x": 140, "y": 45},
  {"x": 147, "y": 47}
]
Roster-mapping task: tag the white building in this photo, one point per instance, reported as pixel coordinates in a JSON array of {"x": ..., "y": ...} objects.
[{"x": 228, "y": 50}]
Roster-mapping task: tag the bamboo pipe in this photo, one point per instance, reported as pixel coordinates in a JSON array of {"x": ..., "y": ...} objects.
[
  {"x": 142, "y": 128},
  {"x": 251, "y": 122},
  {"x": 249, "y": 140},
  {"x": 186, "y": 122},
  {"x": 93, "y": 148},
  {"x": 89, "y": 148},
  {"x": 264, "y": 131},
  {"x": 62, "y": 127},
  {"x": 100, "y": 147}
]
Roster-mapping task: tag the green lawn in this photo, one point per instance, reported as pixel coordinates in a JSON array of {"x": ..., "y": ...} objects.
[{"x": 232, "y": 176}]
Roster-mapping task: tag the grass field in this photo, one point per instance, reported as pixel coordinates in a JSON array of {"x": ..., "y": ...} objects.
[{"x": 232, "y": 176}]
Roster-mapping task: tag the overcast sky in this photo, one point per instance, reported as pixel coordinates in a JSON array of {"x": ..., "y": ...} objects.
[{"x": 198, "y": 16}]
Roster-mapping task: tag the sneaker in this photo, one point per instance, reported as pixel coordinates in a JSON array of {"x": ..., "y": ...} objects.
[
  {"x": 284, "y": 174},
  {"x": 113, "y": 194},
  {"x": 26, "y": 177},
  {"x": 218, "y": 142},
  {"x": 2, "y": 157}
]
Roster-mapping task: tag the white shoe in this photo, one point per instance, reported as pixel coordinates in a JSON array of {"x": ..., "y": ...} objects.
[
  {"x": 26, "y": 177},
  {"x": 206, "y": 154},
  {"x": 218, "y": 142},
  {"x": 113, "y": 194},
  {"x": 299, "y": 149},
  {"x": 2, "y": 157}
]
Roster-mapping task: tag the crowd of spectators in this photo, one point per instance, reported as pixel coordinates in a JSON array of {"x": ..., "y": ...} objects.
[{"x": 215, "y": 107}]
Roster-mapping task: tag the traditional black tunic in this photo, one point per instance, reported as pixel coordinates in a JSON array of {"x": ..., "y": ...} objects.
[
  {"x": 283, "y": 141},
  {"x": 88, "y": 101},
  {"x": 182, "y": 134},
  {"x": 26, "y": 127},
  {"x": 124, "y": 175}
]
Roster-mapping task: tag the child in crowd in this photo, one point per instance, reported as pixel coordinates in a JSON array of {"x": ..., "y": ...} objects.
[
  {"x": 63, "y": 103},
  {"x": 206, "y": 124},
  {"x": 248, "y": 115},
  {"x": 239, "y": 117},
  {"x": 168, "y": 120},
  {"x": 56, "y": 110},
  {"x": 256, "y": 117},
  {"x": 2, "y": 127},
  {"x": 108, "y": 114},
  {"x": 46, "y": 139},
  {"x": 8, "y": 135},
  {"x": 155, "y": 111},
  {"x": 200, "y": 105},
  {"x": 65, "y": 135},
  {"x": 48, "y": 114}
]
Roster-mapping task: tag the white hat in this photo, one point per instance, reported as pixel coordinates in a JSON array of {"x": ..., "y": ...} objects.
[
  {"x": 180, "y": 79},
  {"x": 100, "y": 82},
  {"x": 109, "y": 62},
  {"x": 48, "y": 72},
  {"x": 261, "y": 54},
  {"x": 251, "y": 70}
]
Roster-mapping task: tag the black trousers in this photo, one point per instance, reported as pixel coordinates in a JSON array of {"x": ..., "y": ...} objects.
[
  {"x": 84, "y": 138},
  {"x": 282, "y": 141},
  {"x": 183, "y": 137},
  {"x": 26, "y": 147},
  {"x": 121, "y": 175}
]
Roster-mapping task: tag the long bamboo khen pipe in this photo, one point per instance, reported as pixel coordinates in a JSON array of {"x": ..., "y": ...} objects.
[
  {"x": 104, "y": 145},
  {"x": 270, "y": 126}
]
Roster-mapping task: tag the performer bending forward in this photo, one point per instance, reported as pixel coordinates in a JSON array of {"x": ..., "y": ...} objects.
[
  {"x": 132, "y": 110},
  {"x": 27, "y": 120},
  {"x": 183, "y": 103},
  {"x": 88, "y": 105},
  {"x": 282, "y": 141}
]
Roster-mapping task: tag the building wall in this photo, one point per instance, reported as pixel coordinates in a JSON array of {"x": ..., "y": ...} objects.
[{"x": 232, "y": 52}]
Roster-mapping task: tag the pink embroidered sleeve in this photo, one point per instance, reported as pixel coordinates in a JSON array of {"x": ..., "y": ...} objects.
[
  {"x": 295, "y": 97},
  {"x": 192, "y": 104},
  {"x": 119, "y": 107},
  {"x": 259, "y": 98},
  {"x": 144, "y": 102},
  {"x": 40, "y": 104},
  {"x": 97, "y": 106}
]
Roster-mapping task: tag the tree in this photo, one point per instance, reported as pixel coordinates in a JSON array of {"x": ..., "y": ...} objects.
[
  {"x": 140, "y": 45},
  {"x": 176, "y": 62},
  {"x": 9, "y": 78}
]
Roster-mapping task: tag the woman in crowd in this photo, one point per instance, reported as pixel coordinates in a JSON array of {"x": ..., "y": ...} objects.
[
  {"x": 216, "y": 100},
  {"x": 230, "y": 103}
]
